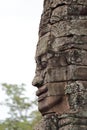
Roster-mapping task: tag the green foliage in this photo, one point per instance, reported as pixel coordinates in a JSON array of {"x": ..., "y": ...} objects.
[
  {"x": 36, "y": 116},
  {"x": 2, "y": 126},
  {"x": 19, "y": 106},
  {"x": 17, "y": 102},
  {"x": 17, "y": 125}
]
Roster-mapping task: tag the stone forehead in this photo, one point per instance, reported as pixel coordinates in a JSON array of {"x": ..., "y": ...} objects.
[
  {"x": 54, "y": 3},
  {"x": 43, "y": 45}
]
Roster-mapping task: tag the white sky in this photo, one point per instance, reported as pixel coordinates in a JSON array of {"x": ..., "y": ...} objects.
[{"x": 19, "y": 24}]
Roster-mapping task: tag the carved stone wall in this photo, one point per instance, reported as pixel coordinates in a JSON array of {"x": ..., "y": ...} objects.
[{"x": 61, "y": 71}]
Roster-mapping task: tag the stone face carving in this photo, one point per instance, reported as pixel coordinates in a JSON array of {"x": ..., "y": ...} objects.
[
  {"x": 61, "y": 71},
  {"x": 51, "y": 96}
]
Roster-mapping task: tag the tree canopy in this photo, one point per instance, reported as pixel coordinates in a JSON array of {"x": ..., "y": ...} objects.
[{"x": 20, "y": 116}]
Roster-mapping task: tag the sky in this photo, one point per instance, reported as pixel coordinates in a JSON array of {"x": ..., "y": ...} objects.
[{"x": 19, "y": 25}]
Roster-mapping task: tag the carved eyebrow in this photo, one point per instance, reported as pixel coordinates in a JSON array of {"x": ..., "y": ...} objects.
[{"x": 42, "y": 60}]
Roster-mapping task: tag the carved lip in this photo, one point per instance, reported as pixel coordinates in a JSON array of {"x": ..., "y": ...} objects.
[
  {"x": 41, "y": 97},
  {"x": 41, "y": 93}
]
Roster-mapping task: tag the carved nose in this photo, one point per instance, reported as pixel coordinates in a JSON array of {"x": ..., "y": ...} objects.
[{"x": 37, "y": 81}]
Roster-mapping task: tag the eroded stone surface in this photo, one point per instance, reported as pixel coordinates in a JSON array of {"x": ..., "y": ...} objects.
[
  {"x": 68, "y": 121},
  {"x": 49, "y": 122},
  {"x": 67, "y": 12},
  {"x": 61, "y": 71},
  {"x": 73, "y": 27},
  {"x": 77, "y": 95}
]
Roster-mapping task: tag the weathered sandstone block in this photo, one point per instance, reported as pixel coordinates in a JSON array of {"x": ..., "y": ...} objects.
[
  {"x": 67, "y": 12},
  {"x": 73, "y": 27},
  {"x": 77, "y": 95},
  {"x": 42, "y": 45},
  {"x": 71, "y": 72},
  {"x": 76, "y": 120},
  {"x": 69, "y": 42},
  {"x": 68, "y": 57},
  {"x": 55, "y": 3}
]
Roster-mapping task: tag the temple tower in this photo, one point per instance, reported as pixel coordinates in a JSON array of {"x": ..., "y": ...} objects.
[{"x": 61, "y": 71}]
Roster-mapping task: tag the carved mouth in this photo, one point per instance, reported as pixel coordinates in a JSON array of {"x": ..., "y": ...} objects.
[
  {"x": 42, "y": 97},
  {"x": 41, "y": 93}
]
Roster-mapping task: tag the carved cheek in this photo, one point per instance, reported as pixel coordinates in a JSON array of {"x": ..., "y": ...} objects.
[
  {"x": 48, "y": 103},
  {"x": 57, "y": 74},
  {"x": 56, "y": 89}
]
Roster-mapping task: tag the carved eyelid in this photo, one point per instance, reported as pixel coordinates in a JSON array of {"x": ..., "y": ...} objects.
[
  {"x": 42, "y": 60},
  {"x": 41, "y": 63},
  {"x": 44, "y": 64}
]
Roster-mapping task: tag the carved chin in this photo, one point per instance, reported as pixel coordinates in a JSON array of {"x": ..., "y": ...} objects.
[{"x": 48, "y": 103}]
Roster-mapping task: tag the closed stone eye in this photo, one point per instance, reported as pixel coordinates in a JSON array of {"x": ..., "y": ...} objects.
[{"x": 43, "y": 64}]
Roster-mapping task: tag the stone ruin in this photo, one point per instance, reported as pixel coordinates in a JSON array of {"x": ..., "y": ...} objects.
[{"x": 61, "y": 71}]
